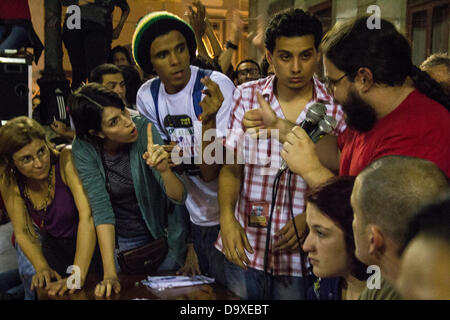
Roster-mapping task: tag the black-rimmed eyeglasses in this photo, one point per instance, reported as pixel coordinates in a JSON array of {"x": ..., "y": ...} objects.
[{"x": 330, "y": 84}]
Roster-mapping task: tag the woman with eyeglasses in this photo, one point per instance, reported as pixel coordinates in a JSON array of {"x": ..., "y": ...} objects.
[
  {"x": 47, "y": 206},
  {"x": 126, "y": 174}
]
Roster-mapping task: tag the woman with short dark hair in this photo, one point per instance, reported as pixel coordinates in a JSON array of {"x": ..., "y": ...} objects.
[
  {"x": 330, "y": 243},
  {"x": 126, "y": 175}
]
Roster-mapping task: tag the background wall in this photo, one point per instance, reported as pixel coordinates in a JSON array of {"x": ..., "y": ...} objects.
[{"x": 220, "y": 13}]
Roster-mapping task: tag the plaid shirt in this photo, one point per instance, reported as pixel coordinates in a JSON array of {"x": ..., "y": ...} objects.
[{"x": 262, "y": 161}]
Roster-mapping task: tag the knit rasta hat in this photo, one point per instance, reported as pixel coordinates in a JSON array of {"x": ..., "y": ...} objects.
[{"x": 154, "y": 25}]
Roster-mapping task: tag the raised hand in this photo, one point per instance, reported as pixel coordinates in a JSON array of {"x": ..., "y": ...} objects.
[
  {"x": 258, "y": 37},
  {"x": 299, "y": 152},
  {"x": 261, "y": 118},
  {"x": 173, "y": 150},
  {"x": 197, "y": 18},
  {"x": 212, "y": 101},
  {"x": 60, "y": 128},
  {"x": 155, "y": 156},
  {"x": 236, "y": 27}
]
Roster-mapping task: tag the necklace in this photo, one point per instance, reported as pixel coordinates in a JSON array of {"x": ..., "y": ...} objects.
[{"x": 47, "y": 199}]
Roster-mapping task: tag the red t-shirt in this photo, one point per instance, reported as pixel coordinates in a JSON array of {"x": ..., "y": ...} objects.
[
  {"x": 418, "y": 127},
  {"x": 14, "y": 9}
]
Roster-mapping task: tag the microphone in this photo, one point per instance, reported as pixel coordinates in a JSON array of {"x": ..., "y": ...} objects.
[
  {"x": 325, "y": 126},
  {"x": 315, "y": 113}
]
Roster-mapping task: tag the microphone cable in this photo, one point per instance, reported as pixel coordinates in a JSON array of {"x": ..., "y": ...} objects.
[
  {"x": 300, "y": 250},
  {"x": 275, "y": 186}
]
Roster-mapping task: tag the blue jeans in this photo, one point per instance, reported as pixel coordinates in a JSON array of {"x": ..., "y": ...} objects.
[
  {"x": 169, "y": 263},
  {"x": 26, "y": 273},
  {"x": 210, "y": 259},
  {"x": 250, "y": 284},
  {"x": 17, "y": 38},
  {"x": 11, "y": 284}
]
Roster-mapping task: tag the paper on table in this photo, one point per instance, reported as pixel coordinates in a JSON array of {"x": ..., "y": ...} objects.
[{"x": 175, "y": 281}]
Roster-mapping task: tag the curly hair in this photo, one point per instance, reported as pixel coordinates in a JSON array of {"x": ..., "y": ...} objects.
[{"x": 292, "y": 22}]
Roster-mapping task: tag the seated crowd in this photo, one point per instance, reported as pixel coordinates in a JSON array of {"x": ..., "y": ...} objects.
[{"x": 346, "y": 219}]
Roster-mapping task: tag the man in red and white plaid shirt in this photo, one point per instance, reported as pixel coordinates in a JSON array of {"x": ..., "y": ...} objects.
[{"x": 245, "y": 190}]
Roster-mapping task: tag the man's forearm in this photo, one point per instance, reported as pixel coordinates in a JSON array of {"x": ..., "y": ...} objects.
[
  {"x": 125, "y": 13},
  {"x": 229, "y": 189},
  {"x": 215, "y": 45},
  {"x": 318, "y": 176},
  {"x": 201, "y": 47},
  {"x": 284, "y": 127},
  {"x": 209, "y": 172}
]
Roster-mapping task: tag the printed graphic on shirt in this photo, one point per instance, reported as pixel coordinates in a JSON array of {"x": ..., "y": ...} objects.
[{"x": 186, "y": 134}]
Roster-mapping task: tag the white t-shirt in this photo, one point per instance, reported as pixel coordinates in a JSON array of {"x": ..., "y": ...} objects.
[{"x": 177, "y": 116}]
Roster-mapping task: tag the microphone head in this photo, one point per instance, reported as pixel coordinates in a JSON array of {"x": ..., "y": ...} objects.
[
  {"x": 324, "y": 127},
  {"x": 316, "y": 112},
  {"x": 330, "y": 121}
]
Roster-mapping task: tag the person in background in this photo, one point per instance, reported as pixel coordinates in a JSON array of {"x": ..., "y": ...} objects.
[
  {"x": 425, "y": 253},
  {"x": 199, "y": 21},
  {"x": 89, "y": 45},
  {"x": 246, "y": 70},
  {"x": 133, "y": 82},
  {"x": 110, "y": 76},
  {"x": 16, "y": 28},
  {"x": 47, "y": 206},
  {"x": 202, "y": 27},
  {"x": 120, "y": 56},
  {"x": 330, "y": 243},
  {"x": 266, "y": 68},
  {"x": 438, "y": 67}
]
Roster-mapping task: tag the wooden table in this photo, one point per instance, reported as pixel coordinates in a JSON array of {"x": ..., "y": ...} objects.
[{"x": 132, "y": 288}]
